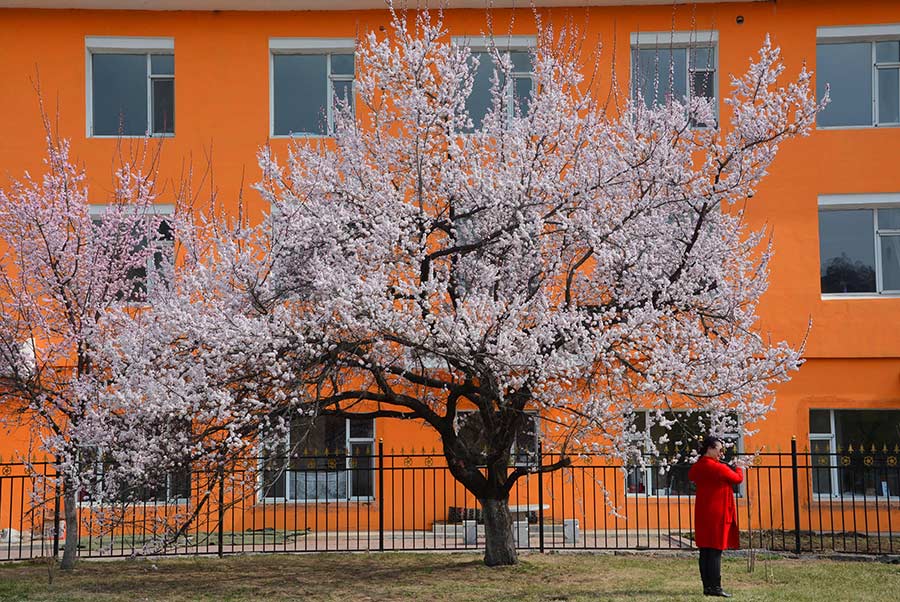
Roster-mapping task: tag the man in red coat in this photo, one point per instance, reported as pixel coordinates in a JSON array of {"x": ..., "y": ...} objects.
[{"x": 715, "y": 515}]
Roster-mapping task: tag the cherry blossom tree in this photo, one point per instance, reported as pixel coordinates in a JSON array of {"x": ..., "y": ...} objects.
[
  {"x": 566, "y": 256},
  {"x": 62, "y": 266}
]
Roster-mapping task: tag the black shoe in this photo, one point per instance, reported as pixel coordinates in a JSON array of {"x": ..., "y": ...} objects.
[{"x": 717, "y": 592}]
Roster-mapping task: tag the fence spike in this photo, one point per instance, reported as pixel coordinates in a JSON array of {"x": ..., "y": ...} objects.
[
  {"x": 884, "y": 449},
  {"x": 850, "y": 449},
  {"x": 873, "y": 448},
  {"x": 896, "y": 448}
]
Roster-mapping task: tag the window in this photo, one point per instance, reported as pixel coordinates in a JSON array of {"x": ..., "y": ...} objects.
[
  {"x": 326, "y": 458},
  {"x": 516, "y": 91},
  {"x": 674, "y": 66},
  {"x": 144, "y": 279},
  {"x": 310, "y": 78},
  {"x": 174, "y": 486},
  {"x": 859, "y": 244},
  {"x": 855, "y": 452},
  {"x": 524, "y": 449},
  {"x": 131, "y": 86},
  {"x": 861, "y": 66},
  {"x": 681, "y": 438}
]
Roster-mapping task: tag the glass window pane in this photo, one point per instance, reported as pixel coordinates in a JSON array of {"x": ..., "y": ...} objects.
[
  {"x": 363, "y": 428},
  {"x": 888, "y": 95},
  {"x": 867, "y": 428},
  {"x": 848, "y": 69},
  {"x": 343, "y": 91},
  {"x": 703, "y": 84},
  {"x": 479, "y": 101},
  {"x": 162, "y": 64},
  {"x": 887, "y": 52},
  {"x": 521, "y": 61},
  {"x": 342, "y": 64},
  {"x": 669, "y": 64},
  {"x": 362, "y": 465},
  {"x": 890, "y": 263},
  {"x": 889, "y": 219},
  {"x": 522, "y": 90},
  {"x": 847, "y": 251},
  {"x": 820, "y": 421},
  {"x": 300, "y": 93},
  {"x": 163, "y": 106},
  {"x": 119, "y": 94},
  {"x": 821, "y": 466},
  {"x": 702, "y": 58}
]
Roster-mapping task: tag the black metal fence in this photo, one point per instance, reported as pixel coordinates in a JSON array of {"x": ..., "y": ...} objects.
[{"x": 797, "y": 502}]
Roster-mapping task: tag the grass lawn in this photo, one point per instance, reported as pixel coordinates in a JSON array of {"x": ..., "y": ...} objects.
[{"x": 458, "y": 577}]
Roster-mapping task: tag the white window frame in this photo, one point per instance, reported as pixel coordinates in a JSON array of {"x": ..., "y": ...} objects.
[
  {"x": 838, "y": 202},
  {"x": 98, "y": 210},
  {"x": 833, "y": 461},
  {"x": 169, "y": 501},
  {"x": 503, "y": 44},
  {"x": 123, "y": 45},
  {"x": 289, "y": 497},
  {"x": 870, "y": 34},
  {"x": 681, "y": 39},
  {"x": 313, "y": 46},
  {"x": 513, "y": 450},
  {"x": 648, "y": 470}
]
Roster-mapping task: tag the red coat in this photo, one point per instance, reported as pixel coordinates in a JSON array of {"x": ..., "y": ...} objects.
[{"x": 715, "y": 516}]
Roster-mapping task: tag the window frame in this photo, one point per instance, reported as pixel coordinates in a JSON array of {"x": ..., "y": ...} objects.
[
  {"x": 834, "y": 474},
  {"x": 312, "y": 46},
  {"x": 503, "y": 44},
  {"x": 170, "y": 500},
  {"x": 347, "y": 470},
  {"x": 649, "y": 468},
  {"x": 148, "y": 46},
  {"x": 841, "y": 202},
  {"x": 870, "y": 34},
  {"x": 97, "y": 210},
  {"x": 672, "y": 40},
  {"x": 513, "y": 450}
]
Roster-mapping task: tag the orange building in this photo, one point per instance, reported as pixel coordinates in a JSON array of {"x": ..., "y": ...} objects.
[{"x": 213, "y": 76}]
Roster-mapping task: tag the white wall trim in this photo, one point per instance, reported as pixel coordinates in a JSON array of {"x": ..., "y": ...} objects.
[
  {"x": 859, "y": 200},
  {"x": 676, "y": 38},
  {"x": 853, "y": 32},
  {"x": 290, "y": 45},
  {"x": 481, "y": 42},
  {"x": 119, "y": 44},
  {"x": 160, "y": 209}
]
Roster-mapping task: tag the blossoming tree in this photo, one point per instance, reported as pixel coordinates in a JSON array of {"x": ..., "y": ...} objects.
[
  {"x": 561, "y": 256},
  {"x": 62, "y": 266}
]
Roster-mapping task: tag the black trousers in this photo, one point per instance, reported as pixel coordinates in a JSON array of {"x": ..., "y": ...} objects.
[{"x": 711, "y": 567}]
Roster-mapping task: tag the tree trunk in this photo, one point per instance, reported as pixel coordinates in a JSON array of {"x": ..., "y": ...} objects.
[
  {"x": 70, "y": 548},
  {"x": 499, "y": 548}
]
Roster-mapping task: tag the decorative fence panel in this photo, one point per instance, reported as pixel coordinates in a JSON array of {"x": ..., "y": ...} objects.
[{"x": 797, "y": 502}]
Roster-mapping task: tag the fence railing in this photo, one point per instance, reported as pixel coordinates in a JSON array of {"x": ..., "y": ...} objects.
[{"x": 798, "y": 502}]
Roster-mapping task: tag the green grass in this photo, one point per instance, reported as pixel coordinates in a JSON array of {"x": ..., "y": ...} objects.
[{"x": 444, "y": 577}]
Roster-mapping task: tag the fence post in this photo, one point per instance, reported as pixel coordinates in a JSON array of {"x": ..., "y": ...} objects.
[
  {"x": 56, "y": 521},
  {"x": 796, "y": 486},
  {"x": 381, "y": 495},
  {"x": 540, "y": 463},
  {"x": 221, "y": 510}
]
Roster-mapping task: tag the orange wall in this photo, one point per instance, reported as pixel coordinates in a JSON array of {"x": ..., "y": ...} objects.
[{"x": 222, "y": 104}]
